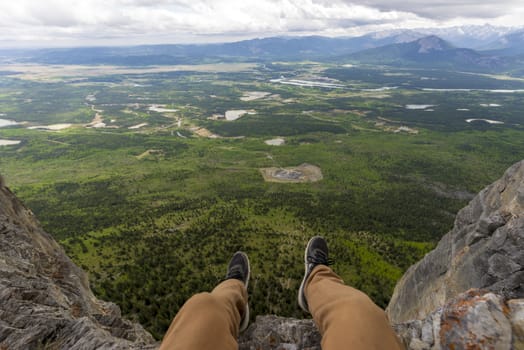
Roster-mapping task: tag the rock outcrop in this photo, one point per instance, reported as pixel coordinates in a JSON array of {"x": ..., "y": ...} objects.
[
  {"x": 45, "y": 300},
  {"x": 272, "y": 332},
  {"x": 473, "y": 320},
  {"x": 484, "y": 250}
]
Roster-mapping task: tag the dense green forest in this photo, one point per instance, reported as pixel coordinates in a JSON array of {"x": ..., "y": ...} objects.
[{"x": 154, "y": 202}]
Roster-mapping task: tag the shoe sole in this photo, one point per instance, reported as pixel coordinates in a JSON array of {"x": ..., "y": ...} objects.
[
  {"x": 245, "y": 320},
  {"x": 306, "y": 275},
  {"x": 248, "y": 268}
]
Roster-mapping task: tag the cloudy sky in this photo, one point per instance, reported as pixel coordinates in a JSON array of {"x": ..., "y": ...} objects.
[{"x": 127, "y": 22}]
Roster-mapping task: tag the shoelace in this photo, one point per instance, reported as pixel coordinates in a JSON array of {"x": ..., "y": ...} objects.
[
  {"x": 320, "y": 258},
  {"x": 236, "y": 272}
]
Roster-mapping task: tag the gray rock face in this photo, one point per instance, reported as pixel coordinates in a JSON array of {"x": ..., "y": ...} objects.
[
  {"x": 484, "y": 250},
  {"x": 516, "y": 308},
  {"x": 272, "y": 332},
  {"x": 45, "y": 300},
  {"x": 473, "y": 320}
]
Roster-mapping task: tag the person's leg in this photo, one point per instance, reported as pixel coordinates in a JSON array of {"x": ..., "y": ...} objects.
[
  {"x": 346, "y": 317},
  {"x": 213, "y": 320}
]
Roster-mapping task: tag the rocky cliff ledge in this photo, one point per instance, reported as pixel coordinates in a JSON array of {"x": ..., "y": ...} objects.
[
  {"x": 467, "y": 293},
  {"x": 45, "y": 300},
  {"x": 463, "y": 295},
  {"x": 485, "y": 250}
]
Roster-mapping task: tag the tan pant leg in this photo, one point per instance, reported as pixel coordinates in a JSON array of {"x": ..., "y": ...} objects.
[
  {"x": 209, "y": 321},
  {"x": 346, "y": 317}
]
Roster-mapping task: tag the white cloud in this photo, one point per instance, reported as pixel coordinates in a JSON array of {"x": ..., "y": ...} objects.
[
  {"x": 155, "y": 21},
  {"x": 448, "y": 9}
]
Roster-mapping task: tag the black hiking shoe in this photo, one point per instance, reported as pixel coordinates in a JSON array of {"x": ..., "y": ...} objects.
[
  {"x": 238, "y": 268},
  {"x": 316, "y": 254}
]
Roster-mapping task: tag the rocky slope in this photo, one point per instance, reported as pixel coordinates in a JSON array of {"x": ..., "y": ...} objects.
[
  {"x": 45, "y": 300},
  {"x": 485, "y": 250},
  {"x": 466, "y": 294}
]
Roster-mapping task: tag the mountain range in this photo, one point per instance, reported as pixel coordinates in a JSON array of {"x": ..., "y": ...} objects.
[
  {"x": 432, "y": 51},
  {"x": 484, "y": 48}
]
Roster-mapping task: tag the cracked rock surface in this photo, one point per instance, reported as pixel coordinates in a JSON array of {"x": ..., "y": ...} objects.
[{"x": 45, "y": 300}]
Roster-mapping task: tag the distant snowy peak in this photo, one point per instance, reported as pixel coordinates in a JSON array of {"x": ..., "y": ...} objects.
[
  {"x": 470, "y": 36},
  {"x": 473, "y": 36},
  {"x": 511, "y": 43},
  {"x": 482, "y": 32}
]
